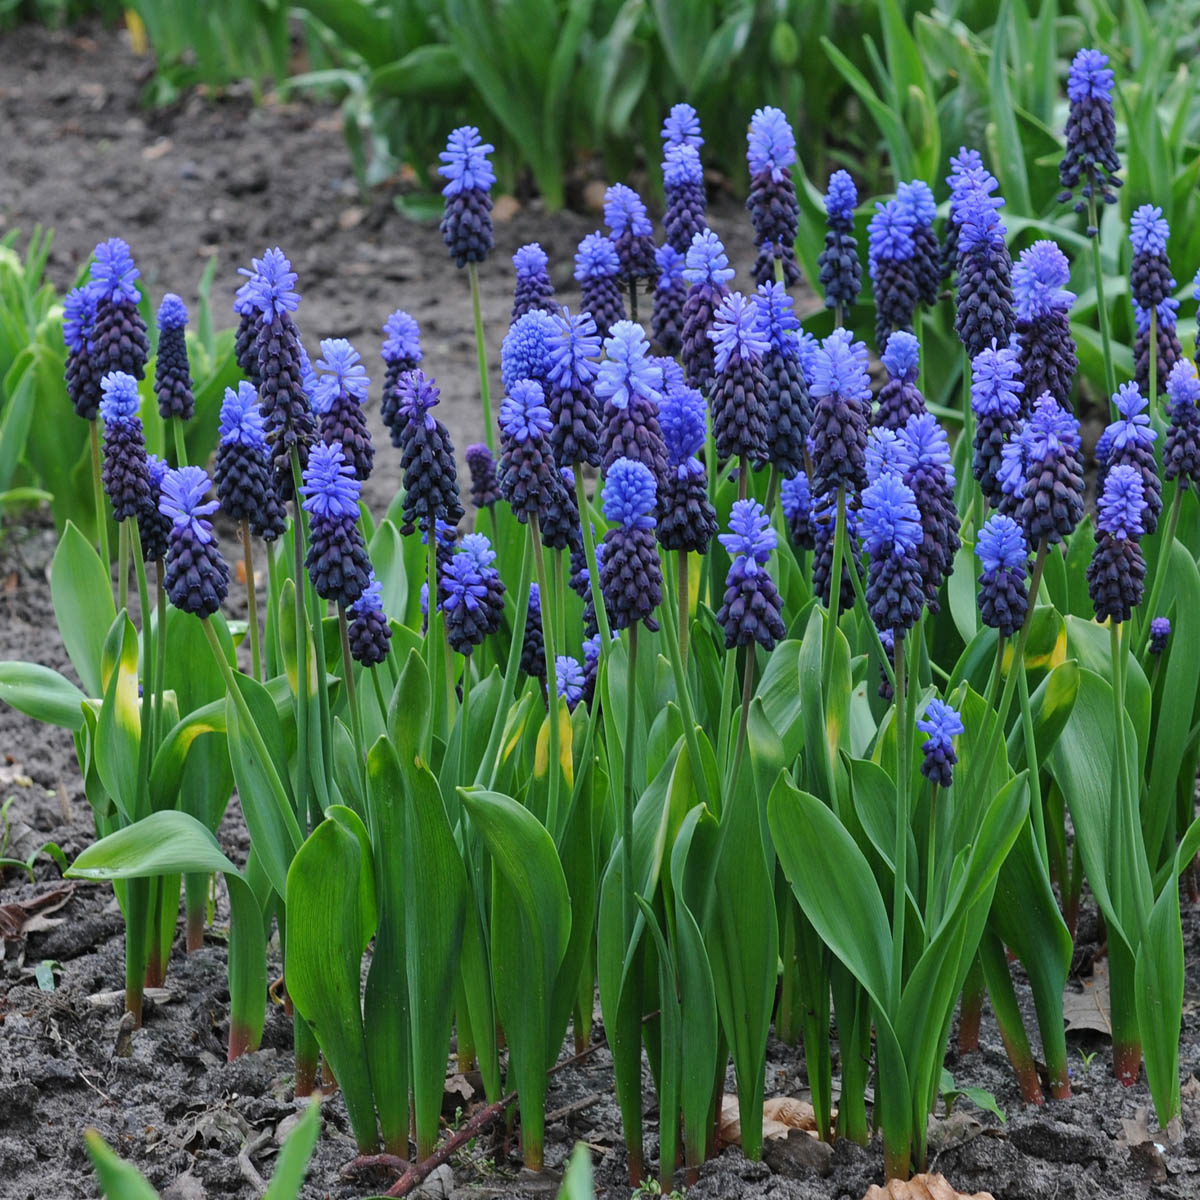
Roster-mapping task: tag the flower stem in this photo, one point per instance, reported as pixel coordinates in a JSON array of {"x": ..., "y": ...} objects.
[
  {"x": 485, "y": 394},
  {"x": 1110, "y": 378},
  {"x": 352, "y": 697},
  {"x": 743, "y": 720},
  {"x": 900, "y": 850},
  {"x": 160, "y": 650},
  {"x": 930, "y": 854},
  {"x": 589, "y": 550},
  {"x": 373, "y": 672},
  {"x": 1152, "y": 399},
  {"x": 1150, "y": 608},
  {"x": 303, "y": 766},
  {"x": 550, "y": 648},
  {"x": 627, "y": 774},
  {"x": 433, "y": 641},
  {"x": 1036, "y": 815},
  {"x": 251, "y": 601},
  {"x": 180, "y": 448},
  {"x": 835, "y": 590},
  {"x": 685, "y": 605},
  {"x": 122, "y": 565},
  {"x": 98, "y": 496}
]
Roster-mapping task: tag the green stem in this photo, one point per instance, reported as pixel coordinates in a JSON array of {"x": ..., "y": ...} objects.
[
  {"x": 485, "y": 394},
  {"x": 303, "y": 766},
  {"x": 900, "y": 849},
  {"x": 160, "y": 650},
  {"x": 352, "y": 697},
  {"x": 629, "y": 903},
  {"x": 180, "y": 448},
  {"x": 434, "y": 661},
  {"x": 1150, "y": 608},
  {"x": 726, "y": 704},
  {"x": 98, "y": 496},
  {"x": 251, "y": 601},
  {"x": 589, "y": 550},
  {"x": 920, "y": 351},
  {"x": 551, "y": 649},
  {"x": 860, "y": 598},
  {"x": 685, "y": 605},
  {"x": 1036, "y": 815},
  {"x": 146, "y": 745},
  {"x": 1152, "y": 399},
  {"x": 743, "y": 477},
  {"x": 930, "y": 854},
  {"x": 835, "y": 591},
  {"x": 1110, "y": 378},
  {"x": 123, "y": 565},
  {"x": 274, "y": 654},
  {"x": 743, "y": 720},
  {"x": 373, "y": 672},
  {"x": 463, "y": 722}
]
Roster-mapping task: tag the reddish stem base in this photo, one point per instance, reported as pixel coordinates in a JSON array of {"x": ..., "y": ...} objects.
[
  {"x": 1127, "y": 1062},
  {"x": 195, "y": 930}
]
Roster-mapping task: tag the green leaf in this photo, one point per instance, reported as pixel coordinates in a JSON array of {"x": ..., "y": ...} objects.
[
  {"x": 81, "y": 591},
  {"x": 42, "y": 694},
  {"x": 428, "y": 72},
  {"x": 119, "y": 728},
  {"x": 577, "y": 1179},
  {"x": 1003, "y": 138},
  {"x": 292, "y": 1165},
  {"x": 325, "y": 920},
  {"x": 118, "y": 1180}
]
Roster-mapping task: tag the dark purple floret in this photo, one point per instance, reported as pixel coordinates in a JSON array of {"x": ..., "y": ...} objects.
[
  {"x": 153, "y": 527},
  {"x": 751, "y": 610},
  {"x": 591, "y": 665},
  {"x": 900, "y": 397},
  {"x": 529, "y": 480},
  {"x": 670, "y": 295},
  {"x": 796, "y": 499},
  {"x": 559, "y": 523},
  {"x": 369, "y": 631},
  {"x": 467, "y": 218},
  {"x": 570, "y": 389},
  {"x": 242, "y": 472},
  {"x": 707, "y": 269},
  {"x": 629, "y": 383},
  {"x": 533, "y": 288},
  {"x": 117, "y": 341},
  {"x": 1052, "y": 497},
  {"x": 1151, "y": 281},
  {"x": 1090, "y": 164},
  {"x": 338, "y": 398},
  {"x": 631, "y": 573},
  {"x": 789, "y": 409},
  {"x": 172, "y": 375},
  {"x": 740, "y": 393},
  {"x": 82, "y": 378},
  {"x": 197, "y": 577},
  {"x": 1160, "y": 633},
  {"x": 631, "y": 232},
  {"x": 824, "y": 525},
  {"x": 1129, "y": 441},
  {"x": 1181, "y": 450},
  {"x": 996, "y": 391},
  {"x": 890, "y": 526},
  {"x": 1003, "y": 586},
  {"x": 840, "y": 270},
  {"x": 686, "y": 211},
  {"x": 1043, "y": 311},
  {"x": 480, "y": 549},
  {"x": 126, "y": 475},
  {"x": 774, "y": 210},
  {"x": 1169, "y": 349},
  {"x": 401, "y": 353},
  {"x": 926, "y": 469},
  {"x": 430, "y": 471},
  {"x": 337, "y": 556},
  {"x": 465, "y": 602},
  {"x": 893, "y": 268},
  {"x": 533, "y": 649},
  {"x": 842, "y": 392},
  {"x": 916, "y": 199},
  {"x": 686, "y": 518},
  {"x": 985, "y": 296},
  {"x": 1116, "y": 577},
  {"x": 941, "y": 725},
  {"x": 597, "y": 269},
  {"x": 887, "y": 640},
  {"x": 485, "y": 488},
  {"x": 967, "y": 177}
]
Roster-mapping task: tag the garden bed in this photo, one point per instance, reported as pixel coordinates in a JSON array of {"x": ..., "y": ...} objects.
[{"x": 85, "y": 159}]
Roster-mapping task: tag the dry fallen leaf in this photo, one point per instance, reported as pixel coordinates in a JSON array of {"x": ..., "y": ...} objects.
[
  {"x": 1088, "y": 1009},
  {"x": 15, "y": 918},
  {"x": 781, "y": 1114},
  {"x": 922, "y": 1187}
]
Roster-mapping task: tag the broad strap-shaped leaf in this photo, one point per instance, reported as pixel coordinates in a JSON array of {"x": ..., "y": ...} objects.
[
  {"x": 81, "y": 591},
  {"x": 41, "y": 693},
  {"x": 119, "y": 727},
  {"x": 292, "y": 1164}
]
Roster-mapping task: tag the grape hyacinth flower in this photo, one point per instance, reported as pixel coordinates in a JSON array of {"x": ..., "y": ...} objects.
[
  {"x": 884, "y": 454},
  {"x": 1117, "y": 573},
  {"x": 892, "y": 264},
  {"x": 337, "y": 556},
  {"x": 686, "y": 517},
  {"x": 841, "y": 389},
  {"x": 631, "y": 574},
  {"x": 591, "y": 666},
  {"x": 597, "y": 267},
  {"x": 887, "y": 643},
  {"x": 467, "y": 218},
  {"x": 890, "y": 528},
  {"x": 1181, "y": 450},
  {"x": 670, "y": 294},
  {"x": 1089, "y": 165},
  {"x": 590, "y": 624},
  {"x": 338, "y": 399},
  {"x": 1151, "y": 281},
  {"x": 996, "y": 389},
  {"x": 197, "y": 577},
  {"x": 463, "y": 601},
  {"x": 485, "y": 487},
  {"x": 1130, "y": 440},
  {"x": 430, "y": 472},
  {"x": 126, "y": 475},
  {"x": 707, "y": 269},
  {"x": 916, "y": 200},
  {"x": 1160, "y": 634},
  {"x": 369, "y": 630},
  {"x": 985, "y": 295},
  {"x": 629, "y": 383},
  {"x": 1167, "y": 344},
  {"x": 117, "y": 341},
  {"x": 967, "y": 176},
  {"x": 172, "y": 375},
  {"x": 824, "y": 527},
  {"x": 401, "y": 353},
  {"x": 559, "y": 523},
  {"x": 1003, "y": 586},
  {"x": 941, "y": 725},
  {"x": 681, "y": 127},
  {"x": 533, "y": 648},
  {"x": 529, "y": 480},
  {"x": 82, "y": 378},
  {"x": 533, "y": 287},
  {"x": 789, "y": 410},
  {"x": 927, "y": 470},
  {"x": 570, "y": 679},
  {"x": 480, "y": 549},
  {"x": 631, "y": 233},
  {"x": 153, "y": 527},
  {"x": 683, "y": 183},
  {"x": 1045, "y": 346},
  {"x": 1052, "y": 497},
  {"x": 774, "y": 210},
  {"x": 244, "y": 352},
  {"x": 286, "y": 408},
  {"x": 840, "y": 270},
  {"x": 525, "y": 351},
  {"x": 739, "y": 397},
  {"x": 570, "y": 389},
  {"x": 796, "y": 499},
  {"x": 243, "y": 472},
  {"x": 900, "y": 397},
  {"x": 751, "y": 610}
]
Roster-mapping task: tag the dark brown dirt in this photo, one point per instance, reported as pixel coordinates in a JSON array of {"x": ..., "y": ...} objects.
[{"x": 81, "y": 156}]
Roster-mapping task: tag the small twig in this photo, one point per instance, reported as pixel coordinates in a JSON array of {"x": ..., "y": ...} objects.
[
  {"x": 370, "y": 1162},
  {"x": 576, "y": 1106}
]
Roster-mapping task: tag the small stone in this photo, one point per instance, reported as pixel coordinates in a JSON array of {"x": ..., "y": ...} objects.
[
  {"x": 1147, "y": 1158},
  {"x": 798, "y": 1155},
  {"x": 439, "y": 1184}
]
